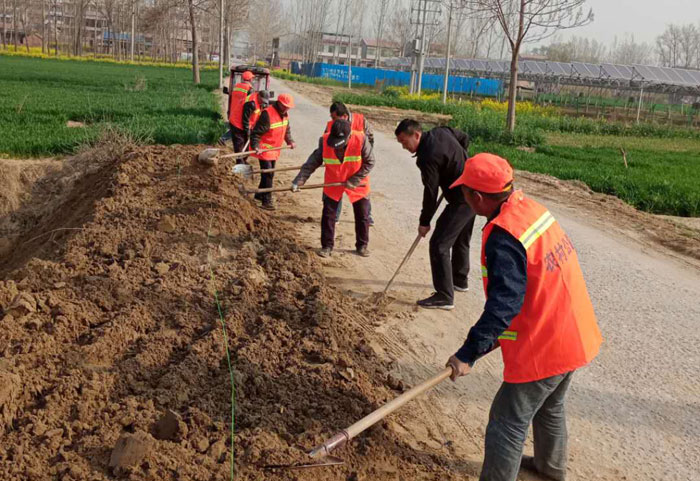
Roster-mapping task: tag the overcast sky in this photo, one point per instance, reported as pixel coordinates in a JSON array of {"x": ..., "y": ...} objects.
[{"x": 646, "y": 19}]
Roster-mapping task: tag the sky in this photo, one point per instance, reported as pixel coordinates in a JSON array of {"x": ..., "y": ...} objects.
[{"x": 646, "y": 19}]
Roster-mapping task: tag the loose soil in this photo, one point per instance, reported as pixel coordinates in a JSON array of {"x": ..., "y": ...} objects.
[{"x": 119, "y": 272}]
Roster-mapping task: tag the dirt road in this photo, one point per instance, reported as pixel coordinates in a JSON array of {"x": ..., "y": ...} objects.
[{"x": 633, "y": 414}]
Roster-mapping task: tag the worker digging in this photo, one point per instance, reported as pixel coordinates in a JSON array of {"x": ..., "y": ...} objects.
[
  {"x": 348, "y": 158},
  {"x": 537, "y": 310},
  {"x": 440, "y": 155},
  {"x": 338, "y": 110},
  {"x": 270, "y": 132}
]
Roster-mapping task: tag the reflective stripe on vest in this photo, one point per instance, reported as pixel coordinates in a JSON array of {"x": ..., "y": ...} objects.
[
  {"x": 556, "y": 329},
  {"x": 484, "y": 272},
  {"x": 538, "y": 228},
  {"x": 508, "y": 336},
  {"x": 338, "y": 171},
  {"x": 274, "y": 137}
]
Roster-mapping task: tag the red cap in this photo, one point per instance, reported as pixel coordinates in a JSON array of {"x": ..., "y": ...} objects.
[
  {"x": 486, "y": 173},
  {"x": 247, "y": 75},
  {"x": 287, "y": 100}
]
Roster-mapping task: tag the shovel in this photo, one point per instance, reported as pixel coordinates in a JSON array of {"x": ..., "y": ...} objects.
[
  {"x": 342, "y": 437},
  {"x": 244, "y": 191},
  {"x": 410, "y": 251},
  {"x": 211, "y": 155},
  {"x": 247, "y": 171}
]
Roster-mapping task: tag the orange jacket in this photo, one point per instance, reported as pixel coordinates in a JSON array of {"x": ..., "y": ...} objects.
[
  {"x": 237, "y": 99},
  {"x": 337, "y": 171},
  {"x": 556, "y": 330}
]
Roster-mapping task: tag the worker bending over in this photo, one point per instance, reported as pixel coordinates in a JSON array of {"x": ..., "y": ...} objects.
[
  {"x": 440, "y": 156},
  {"x": 539, "y": 312},
  {"x": 348, "y": 159},
  {"x": 271, "y": 131},
  {"x": 358, "y": 122}
]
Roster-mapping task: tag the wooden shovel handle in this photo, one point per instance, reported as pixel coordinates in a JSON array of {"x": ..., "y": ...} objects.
[
  {"x": 287, "y": 189},
  {"x": 250, "y": 152},
  {"x": 410, "y": 251},
  {"x": 341, "y": 437}
]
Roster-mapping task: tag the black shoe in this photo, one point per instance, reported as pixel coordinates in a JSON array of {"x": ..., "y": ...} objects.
[
  {"x": 362, "y": 251},
  {"x": 371, "y": 221},
  {"x": 436, "y": 302},
  {"x": 325, "y": 252},
  {"x": 463, "y": 288},
  {"x": 528, "y": 464},
  {"x": 268, "y": 205}
]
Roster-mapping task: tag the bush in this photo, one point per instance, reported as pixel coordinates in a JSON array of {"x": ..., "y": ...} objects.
[{"x": 284, "y": 75}]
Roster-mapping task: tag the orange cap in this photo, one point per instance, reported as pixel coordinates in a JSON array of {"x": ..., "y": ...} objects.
[
  {"x": 486, "y": 173},
  {"x": 247, "y": 75},
  {"x": 287, "y": 100}
]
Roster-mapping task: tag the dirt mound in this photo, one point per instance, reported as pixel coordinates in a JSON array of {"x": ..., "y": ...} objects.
[{"x": 112, "y": 358}]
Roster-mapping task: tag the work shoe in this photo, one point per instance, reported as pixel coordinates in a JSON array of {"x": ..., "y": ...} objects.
[
  {"x": 362, "y": 251},
  {"x": 325, "y": 252},
  {"x": 464, "y": 288},
  {"x": 371, "y": 221},
  {"x": 436, "y": 301},
  {"x": 268, "y": 205},
  {"x": 528, "y": 464}
]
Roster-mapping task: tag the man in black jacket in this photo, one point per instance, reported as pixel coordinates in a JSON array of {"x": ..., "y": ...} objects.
[{"x": 440, "y": 156}]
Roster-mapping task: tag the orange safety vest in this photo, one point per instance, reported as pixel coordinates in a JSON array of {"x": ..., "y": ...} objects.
[
  {"x": 357, "y": 123},
  {"x": 275, "y": 136},
  {"x": 337, "y": 171},
  {"x": 255, "y": 97},
  {"x": 237, "y": 99},
  {"x": 556, "y": 330}
]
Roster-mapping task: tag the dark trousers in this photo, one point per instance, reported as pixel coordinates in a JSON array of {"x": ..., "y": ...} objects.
[
  {"x": 239, "y": 138},
  {"x": 453, "y": 231},
  {"x": 361, "y": 211},
  {"x": 265, "y": 180},
  {"x": 339, "y": 210},
  {"x": 514, "y": 408}
]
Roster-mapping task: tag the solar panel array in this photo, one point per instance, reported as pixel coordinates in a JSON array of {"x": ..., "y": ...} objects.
[{"x": 578, "y": 72}]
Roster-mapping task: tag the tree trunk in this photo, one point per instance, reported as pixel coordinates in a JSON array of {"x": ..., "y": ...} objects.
[
  {"x": 14, "y": 22},
  {"x": 512, "y": 91},
  {"x": 43, "y": 26},
  {"x": 133, "y": 31},
  {"x": 55, "y": 25},
  {"x": 195, "y": 44},
  {"x": 4, "y": 24}
]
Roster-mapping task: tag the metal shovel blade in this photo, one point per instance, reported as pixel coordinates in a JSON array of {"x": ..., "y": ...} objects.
[
  {"x": 208, "y": 156},
  {"x": 243, "y": 169}
]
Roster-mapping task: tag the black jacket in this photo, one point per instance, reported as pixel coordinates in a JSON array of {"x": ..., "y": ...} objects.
[{"x": 440, "y": 157}]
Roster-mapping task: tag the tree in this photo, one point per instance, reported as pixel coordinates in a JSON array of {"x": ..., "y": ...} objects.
[
  {"x": 576, "y": 49},
  {"x": 628, "y": 52},
  {"x": 531, "y": 20},
  {"x": 265, "y": 21},
  {"x": 679, "y": 46},
  {"x": 381, "y": 8},
  {"x": 195, "y": 42}
]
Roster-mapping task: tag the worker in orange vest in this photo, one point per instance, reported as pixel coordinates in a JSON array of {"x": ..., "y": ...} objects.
[
  {"x": 348, "y": 158},
  {"x": 539, "y": 312},
  {"x": 270, "y": 132},
  {"x": 237, "y": 99},
  {"x": 339, "y": 110}
]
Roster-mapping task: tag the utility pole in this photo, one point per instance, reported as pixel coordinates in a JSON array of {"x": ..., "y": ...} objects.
[
  {"x": 447, "y": 56},
  {"x": 221, "y": 43},
  {"x": 350, "y": 64},
  {"x": 422, "y": 22}
]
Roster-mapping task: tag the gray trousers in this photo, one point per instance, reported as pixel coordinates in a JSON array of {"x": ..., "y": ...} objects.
[{"x": 514, "y": 408}]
